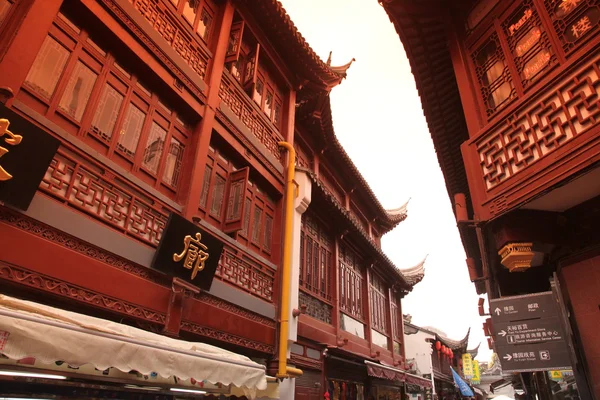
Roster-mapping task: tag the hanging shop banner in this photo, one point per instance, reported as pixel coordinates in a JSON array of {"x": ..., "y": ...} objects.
[
  {"x": 188, "y": 252},
  {"x": 476, "y": 379},
  {"x": 25, "y": 153},
  {"x": 467, "y": 365}
]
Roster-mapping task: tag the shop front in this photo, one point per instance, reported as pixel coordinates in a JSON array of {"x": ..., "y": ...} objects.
[{"x": 52, "y": 352}]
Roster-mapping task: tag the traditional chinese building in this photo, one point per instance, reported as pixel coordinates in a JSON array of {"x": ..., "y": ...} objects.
[
  {"x": 510, "y": 93},
  {"x": 140, "y": 156},
  {"x": 431, "y": 354}
]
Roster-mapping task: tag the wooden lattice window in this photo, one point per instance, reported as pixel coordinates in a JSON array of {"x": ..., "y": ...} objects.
[
  {"x": 84, "y": 85},
  {"x": 397, "y": 320},
  {"x": 351, "y": 282},
  {"x": 232, "y": 202},
  {"x": 316, "y": 257},
  {"x": 528, "y": 42},
  {"x": 575, "y": 21},
  {"x": 379, "y": 300},
  {"x": 259, "y": 82},
  {"x": 493, "y": 74},
  {"x": 198, "y": 14}
]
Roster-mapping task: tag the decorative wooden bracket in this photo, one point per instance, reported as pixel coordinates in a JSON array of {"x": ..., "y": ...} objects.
[{"x": 179, "y": 291}]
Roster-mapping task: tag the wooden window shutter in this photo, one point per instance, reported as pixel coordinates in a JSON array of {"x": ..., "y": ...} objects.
[
  {"x": 234, "y": 217},
  {"x": 235, "y": 42},
  {"x": 251, "y": 70}
]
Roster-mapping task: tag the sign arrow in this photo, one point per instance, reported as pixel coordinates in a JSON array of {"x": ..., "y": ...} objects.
[
  {"x": 497, "y": 311},
  {"x": 502, "y": 333},
  {"x": 507, "y": 357}
]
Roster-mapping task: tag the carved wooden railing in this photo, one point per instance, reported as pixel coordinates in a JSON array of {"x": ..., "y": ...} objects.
[
  {"x": 540, "y": 130},
  {"x": 93, "y": 189},
  {"x": 239, "y": 268},
  {"x": 96, "y": 191},
  {"x": 168, "y": 25},
  {"x": 250, "y": 114}
]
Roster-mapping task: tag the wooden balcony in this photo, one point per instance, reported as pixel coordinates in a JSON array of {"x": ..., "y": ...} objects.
[
  {"x": 170, "y": 26},
  {"x": 248, "y": 112},
  {"x": 545, "y": 138},
  {"x": 93, "y": 189}
]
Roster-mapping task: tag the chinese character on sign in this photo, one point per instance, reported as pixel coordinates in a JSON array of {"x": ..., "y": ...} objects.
[
  {"x": 12, "y": 139},
  {"x": 195, "y": 254},
  {"x": 532, "y": 306},
  {"x": 582, "y": 26},
  {"x": 568, "y": 5}
]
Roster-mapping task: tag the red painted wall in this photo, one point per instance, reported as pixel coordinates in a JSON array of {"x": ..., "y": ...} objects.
[{"x": 582, "y": 281}]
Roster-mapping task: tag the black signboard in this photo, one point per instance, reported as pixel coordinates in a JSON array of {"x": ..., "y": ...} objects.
[
  {"x": 514, "y": 308},
  {"x": 25, "y": 153},
  {"x": 528, "y": 333},
  {"x": 188, "y": 252},
  {"x": 534, "y": 357}
]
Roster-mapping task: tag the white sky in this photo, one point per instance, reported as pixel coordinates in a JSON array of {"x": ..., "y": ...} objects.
[{"x": 379, "y": 120}]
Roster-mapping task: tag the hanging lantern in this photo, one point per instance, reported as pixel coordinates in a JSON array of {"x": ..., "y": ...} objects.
[
  {"x": 438, "y": 345},
  {"x": 451, "y": 354},
  {"x": 443, "y": 349}
]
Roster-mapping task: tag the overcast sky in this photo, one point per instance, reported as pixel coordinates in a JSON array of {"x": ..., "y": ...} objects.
[{"x": 378, "y": 118}]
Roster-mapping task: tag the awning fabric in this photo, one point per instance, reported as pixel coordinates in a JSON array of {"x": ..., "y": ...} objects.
[
  {"x": 49, "y": 334},
  {"x": 392, "y": 374},
  {"x": 499, "y": 384}
]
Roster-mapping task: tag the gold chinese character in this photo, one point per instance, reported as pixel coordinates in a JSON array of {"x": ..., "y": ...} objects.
[
  {"x": 195, "y": 254},
  {"x": 13, "y": 140},
  {"x": 582, "y": 26},
  {"x": 568, "y": 5}
]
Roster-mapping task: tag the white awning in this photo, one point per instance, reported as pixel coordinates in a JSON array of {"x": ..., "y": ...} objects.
[{"x": 49, "y": 334}]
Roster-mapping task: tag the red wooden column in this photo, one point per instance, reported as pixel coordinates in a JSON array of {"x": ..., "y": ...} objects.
[
  {"x": 391, "y": 327},
  {"x": 28, "y": 39},
  {"x": 367, "y": 307},
  {"x": 335, "y": 283},
  {"x": 204, "y": 129}
]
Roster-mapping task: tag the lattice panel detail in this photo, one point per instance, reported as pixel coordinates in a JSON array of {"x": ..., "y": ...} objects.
[
  {"x": 248, "y": 274},
  {"x": 250, "y": 114},
  {"x": 568, "y": 110},
  {"x": 315, "y": 307},
  {"x": 166, "y": 24},
  {"x": 96, "y": 192}
]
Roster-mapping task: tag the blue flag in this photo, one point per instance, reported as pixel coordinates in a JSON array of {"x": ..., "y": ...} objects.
[{"x": 465, "y": 390}]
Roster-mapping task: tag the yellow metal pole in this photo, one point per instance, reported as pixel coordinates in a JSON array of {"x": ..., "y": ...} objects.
[{"x": 284, "y": 325}]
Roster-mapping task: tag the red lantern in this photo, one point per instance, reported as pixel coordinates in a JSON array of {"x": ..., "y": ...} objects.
[
  {"x": 451, "y": 354},
  {"x": 443, "y": 349},
  {"x": 438, "y": 345}
]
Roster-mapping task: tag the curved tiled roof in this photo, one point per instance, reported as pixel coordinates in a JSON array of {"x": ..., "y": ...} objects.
[
  {"x": 291, "y": 45},
  {"x": 407, "y": 282},
  {"x": 421, "y": 27},
  {"x": 415, "y": 274},
  {"x": 388, "y": 219}
]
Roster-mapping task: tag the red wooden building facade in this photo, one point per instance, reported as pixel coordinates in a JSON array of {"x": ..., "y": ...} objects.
[
  {"x": 177, "y": 106},
  {"x": 510, "y": 93}
]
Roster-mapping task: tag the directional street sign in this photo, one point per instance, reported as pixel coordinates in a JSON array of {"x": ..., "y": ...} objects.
[
  {"x": 534, "y": 357},
  {"x": 528, "y": 333},
  {"x": 536, "y": 305}
]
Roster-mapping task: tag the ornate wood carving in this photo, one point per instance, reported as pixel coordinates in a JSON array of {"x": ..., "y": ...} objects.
[
  {"x": 245, "y": 273},
  {"x": 89, "y": 189},
  {"x": 193, "y": 54},
  {"x": 57, "y": 287},
  {"x": 539, "y": 128},
  {"x": 247, "y": 144},
  {"x": 54, "y": 235},
  {"x": 226, "y": 337},
  {"x": 250, "y": 115}
]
